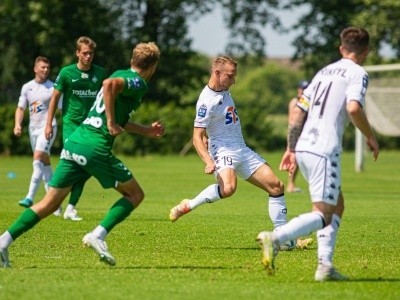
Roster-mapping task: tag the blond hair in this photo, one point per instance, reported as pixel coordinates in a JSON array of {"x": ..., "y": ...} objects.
[
  {"x": 145, "y": 55},
  {"x": 220, "y": 62},
  {"x": 84, "y": 40}
]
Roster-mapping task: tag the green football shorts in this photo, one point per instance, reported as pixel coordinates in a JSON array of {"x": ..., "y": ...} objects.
[{"x": 78, "y": 161}]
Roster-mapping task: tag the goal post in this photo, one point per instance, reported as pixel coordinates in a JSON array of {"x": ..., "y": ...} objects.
[{"x": 382, "y": 106}]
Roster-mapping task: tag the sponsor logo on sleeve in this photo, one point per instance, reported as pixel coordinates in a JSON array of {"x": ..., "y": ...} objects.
[
  {"x": 202, "y": 111},
  {"x": 134, "y": 83}
]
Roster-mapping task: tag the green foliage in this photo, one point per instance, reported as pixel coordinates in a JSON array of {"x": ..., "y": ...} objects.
[
  {"x": 7, "y": 138},
  {"x": 319, "y": 28},
  {"x": 380, "y": 18},
  {"x": 50, "y": 28},
  {"x": 179, "y": 127},
  {"x": 210, "y": 253},
  {"x": 245, "y": 19},
  {"x": 266, "y": 88}
]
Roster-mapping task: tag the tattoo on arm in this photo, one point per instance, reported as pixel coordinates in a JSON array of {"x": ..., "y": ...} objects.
[{"x": 293, "y": 135}]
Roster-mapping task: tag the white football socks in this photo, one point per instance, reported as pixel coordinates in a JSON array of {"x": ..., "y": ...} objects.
[
  {"x": 69, "y": 209},
  {"x": 35, "y": 179},
  {"x": 5, "y": 240},
  {"x": 100, "y": 232},
  {"x": 47, "y": 174},
  {"x": 301, "y": 225},
  {"x": 209, "y": 195},
  {"x": 277, "y": 210},
  {"x": 327, "y": 240}
]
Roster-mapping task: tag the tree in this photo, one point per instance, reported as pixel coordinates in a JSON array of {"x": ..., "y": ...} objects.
[
  {"x": 246, "y": 20},
  {"x": 381, "y": 20},
  {"x": 166, "y": 22},
  {"x": 318, "y": 42},
  {"x": 50, "y": 28}
]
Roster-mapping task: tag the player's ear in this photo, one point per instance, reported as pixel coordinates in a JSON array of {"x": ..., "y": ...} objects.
[{"x": 341, "y": 49}]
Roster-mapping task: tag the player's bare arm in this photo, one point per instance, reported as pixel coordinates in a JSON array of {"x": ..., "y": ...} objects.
[
  {"x": 359, "y": 119},
  {"x": 19, "y": 116},
  {"x": 55, "y": 97},
  {"x": 199, "y": 134},
  {"x": 296, "y": 121},
  {"x": 155, "y": 130},
  {"x": 111, "y": 87}
]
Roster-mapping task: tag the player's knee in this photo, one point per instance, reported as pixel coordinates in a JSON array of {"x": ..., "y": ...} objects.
[
  {"x": 135, "y": 197},
  {"x": 327, "y": 218},
  {"x": 276, "y": 187},
  {"x": 37, "y": 164},
  {"x": 227, "y": 191}
]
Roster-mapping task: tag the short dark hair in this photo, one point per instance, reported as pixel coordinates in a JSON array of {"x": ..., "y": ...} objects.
[
  {"x": 42, "y": 59},
  {"x": 355, "y": 39}
]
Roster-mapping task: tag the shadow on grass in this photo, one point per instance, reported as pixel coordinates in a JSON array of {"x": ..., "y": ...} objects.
[
  {"x": 135, "y": 268},
  {"x": 254, "y": 248},
  {"x": 379, "y": 279}
]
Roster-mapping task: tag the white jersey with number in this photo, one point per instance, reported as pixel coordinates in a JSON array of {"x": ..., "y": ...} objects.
[
  {"x": 216, "y": 112},
  {"x": 325, "y": 101},
  {"x": 36, "y": 96}
]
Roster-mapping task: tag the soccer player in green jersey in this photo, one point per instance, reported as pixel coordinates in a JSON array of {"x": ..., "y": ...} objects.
[
  {"x": 78, "y": 84},
  {"x": 87, "y": 152}
]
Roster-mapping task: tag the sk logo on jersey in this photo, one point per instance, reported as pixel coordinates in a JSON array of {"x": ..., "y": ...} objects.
[
  {"x": 35, "y": 107},
  {"x": 231, "y": 115},
  {"x": 202, "y": 111}
]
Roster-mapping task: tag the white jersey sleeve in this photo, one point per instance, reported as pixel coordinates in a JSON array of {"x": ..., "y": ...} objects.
[
  {"x": 325, "y": 101},
  {"x": 23, "y": 100}
]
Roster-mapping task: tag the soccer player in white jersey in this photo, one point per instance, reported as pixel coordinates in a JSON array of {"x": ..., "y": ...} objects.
[
  {"x": 226, "y": 154},
  {"x": 36, "y": 95},
  {"x": 335, "y": 95}
]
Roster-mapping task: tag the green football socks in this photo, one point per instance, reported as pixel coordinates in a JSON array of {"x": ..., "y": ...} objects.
[
  {"x": 24, "y": 222},
  {"x": 117, "y": 213}
]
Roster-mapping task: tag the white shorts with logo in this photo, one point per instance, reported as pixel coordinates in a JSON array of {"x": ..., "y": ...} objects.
[
  {"x": 323, "y": 175},
  {"x": 39, "y": 141},
  {"x": 245, "y": 161}
]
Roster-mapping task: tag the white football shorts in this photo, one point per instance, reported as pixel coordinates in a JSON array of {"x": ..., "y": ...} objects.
[
  {"x": 39, "y": 141},
  {"x": 323, "y": 175},
  {"x": 245, "y": 161}
]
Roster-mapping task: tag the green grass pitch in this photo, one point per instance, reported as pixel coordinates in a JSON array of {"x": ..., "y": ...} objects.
[{"x": 210, "y": 253}]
